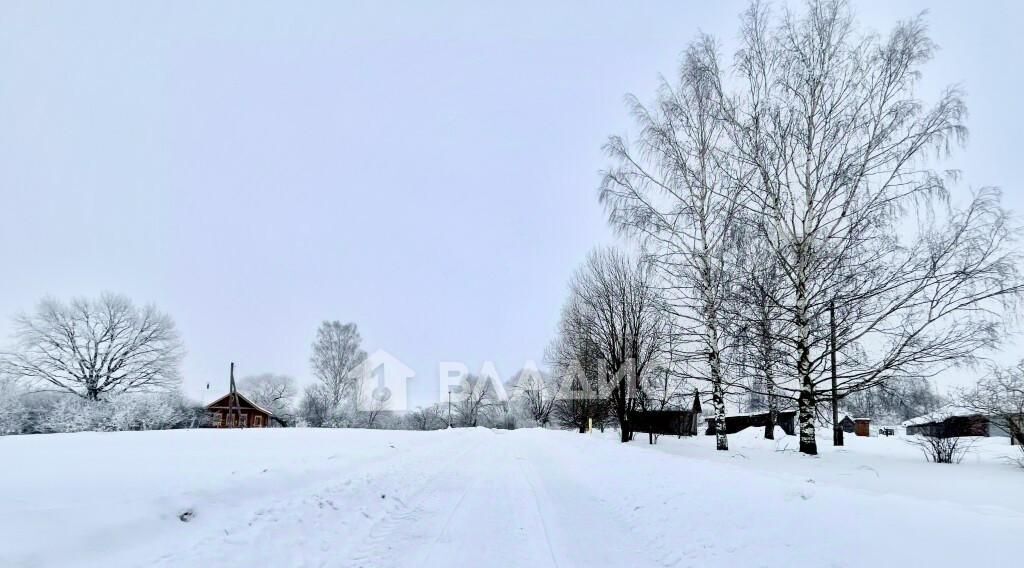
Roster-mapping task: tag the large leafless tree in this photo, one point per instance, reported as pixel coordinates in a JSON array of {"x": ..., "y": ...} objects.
[
  {"x": 472, "y": 397},
  {"x": 675, "y": 190},
  {"x": 94, "y": 347},
  {"x": 336, "y": 354},
  {"x": 834, "y": 147},
  {"x": 580, "y": 399},
  {"x": 615, "y": 311},
  {"x": 533, "y": 394},
  {"x": 273, "y": 392},
  {"x": 820, "y": 159}
]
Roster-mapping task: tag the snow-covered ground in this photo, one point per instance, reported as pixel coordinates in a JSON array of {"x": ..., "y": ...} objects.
[{"x": 475, "y": 497}]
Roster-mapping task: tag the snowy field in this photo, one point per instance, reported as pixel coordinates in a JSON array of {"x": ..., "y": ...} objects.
[{"x": 475, "y": 497}]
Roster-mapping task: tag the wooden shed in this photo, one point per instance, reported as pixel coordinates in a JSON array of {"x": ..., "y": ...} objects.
[
  {"x": 953, "y": 422},
  {"x": 950, "y": 423},
  {"x": 847, "y": 424},
  {"x": 786, "y": 419},
  {"x": 862, "y": 427},
  {"x": 668, "y": 422}
]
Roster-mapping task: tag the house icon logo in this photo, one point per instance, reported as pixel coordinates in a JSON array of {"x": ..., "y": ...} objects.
[{"x": 382, "y": 383}]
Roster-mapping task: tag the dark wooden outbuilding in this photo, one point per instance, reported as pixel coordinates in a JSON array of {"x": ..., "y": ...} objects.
[
  {"x": 847, "y": 424},
  {"x": 672, "y": 422},
  {"x": 668, "y": 422},
  {"x": 952, "y": 427},
  {"x": 954, "y": 422},
  {"x": 786, "y": 419}
]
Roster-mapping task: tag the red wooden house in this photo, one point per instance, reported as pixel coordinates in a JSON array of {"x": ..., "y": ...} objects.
[
  {"x": 240, "y": 412},
  {"x": 233, "y": 410}
]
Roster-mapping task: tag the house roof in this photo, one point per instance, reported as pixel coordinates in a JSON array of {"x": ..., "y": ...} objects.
[
  {"x": 944, "y": 413},
  {"x": 243, "y": 397},
  {"x": 760, "y": 412}
]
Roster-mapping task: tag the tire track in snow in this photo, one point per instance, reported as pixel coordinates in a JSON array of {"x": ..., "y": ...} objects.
[
  {"x": 319, "y": 521},
  {"x": 378, "y": 547},
  {"x": 536, "y": 506},
  {"x": 496, "y": 516}
]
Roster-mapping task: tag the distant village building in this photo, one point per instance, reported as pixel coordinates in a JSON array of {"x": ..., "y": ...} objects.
[
  {"x": 953, "y": 422},
  {"x": 862, "y": 427},
  {"x": 234, "y": 410},
  {"x": 785, "y": 419},
  {"x": 847, "y": 424},
  {"x": 243, "y": 413},
  {"x": 668, "y": 422}
]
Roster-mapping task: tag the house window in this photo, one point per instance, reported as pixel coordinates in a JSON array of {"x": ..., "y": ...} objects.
[
  {"x": 257, "y": 421},
  {"x": 231, "y": 420},
  {"x": 241, "y": 420},
  {"x": 217, "y": 419}
]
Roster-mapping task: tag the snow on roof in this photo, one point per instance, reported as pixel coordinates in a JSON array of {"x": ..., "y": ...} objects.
[
  {"x": 948, "y": 411},
  {"x": 258, "y": 407},
  {"x": 757, "y": 413},
  {"x": 243, "y": 397}
]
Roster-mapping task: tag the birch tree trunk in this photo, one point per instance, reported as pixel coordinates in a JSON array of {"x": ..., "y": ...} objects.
[
  {"x": 806, "y": 400},
  {"x": 769, "y": 387}
]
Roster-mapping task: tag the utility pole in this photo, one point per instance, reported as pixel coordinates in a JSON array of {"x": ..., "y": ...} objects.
[
  {"x": 234, "y": 407},
  {"x": 837, "y": 429}
]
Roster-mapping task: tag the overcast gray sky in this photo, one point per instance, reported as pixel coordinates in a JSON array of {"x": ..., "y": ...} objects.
[{"x": 426, "y": 170}]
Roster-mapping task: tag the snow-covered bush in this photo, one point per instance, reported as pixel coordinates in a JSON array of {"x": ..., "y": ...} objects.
[
  {"x": 72, "y": 414},
  {"x": 500, "y": 416},
  {"x": 315, "y": 408},
  {"x": 145, "y": 412},
  {"x": 13, "y": 410},
  {"x": 432, "y": 417},
  {"x": 137, "y": 411}
]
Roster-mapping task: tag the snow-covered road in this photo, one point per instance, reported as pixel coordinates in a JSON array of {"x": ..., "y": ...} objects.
[{"x": 469, "y": 497}]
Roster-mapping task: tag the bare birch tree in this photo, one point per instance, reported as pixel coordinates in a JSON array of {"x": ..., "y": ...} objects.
[
  {"x": 673, "y": 190},
  {"x": 91, "y": 348},
  {"x": 336, "y": 353},
  {"x": 822, "y": 156},
  {"x": 828, "y": 121}
]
